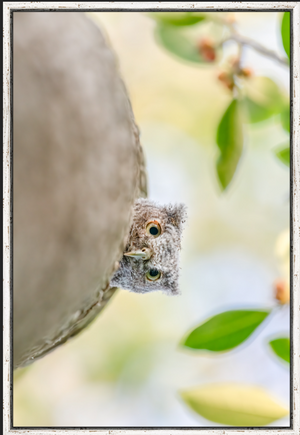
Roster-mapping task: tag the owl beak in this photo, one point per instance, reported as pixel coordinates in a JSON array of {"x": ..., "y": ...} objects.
[{"x": 143, "y": 254}]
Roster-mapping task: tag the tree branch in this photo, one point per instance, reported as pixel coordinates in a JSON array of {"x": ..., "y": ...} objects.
[
  {"x": 258, "y": 47},
  {"x": 235, "y": 36}
]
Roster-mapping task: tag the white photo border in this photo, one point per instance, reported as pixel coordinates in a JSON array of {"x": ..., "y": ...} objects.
[{"x": 294, "y": 8}]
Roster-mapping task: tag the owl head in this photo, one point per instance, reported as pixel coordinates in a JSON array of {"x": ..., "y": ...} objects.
[{"x": 151, "y": 258}]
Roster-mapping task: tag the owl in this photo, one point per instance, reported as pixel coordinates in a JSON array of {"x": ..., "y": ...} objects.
[{"x": 150, "y": 261}]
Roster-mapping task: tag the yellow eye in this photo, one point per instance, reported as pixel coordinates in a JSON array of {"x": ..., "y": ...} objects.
[
  {"x": 153, "y": 275},
  {"x": 153, "y": 228}
]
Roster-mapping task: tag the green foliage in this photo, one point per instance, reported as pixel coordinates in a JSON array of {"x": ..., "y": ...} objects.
[
  {"x": 281, "y": 347},
  {"x": 234, "y": 404},
  {"x": 255, "y": 99},
  {"x": 283, "y": 153},
  {"x": 285, "y": 33},
  {"x": 256, "y": 112},
  {"x": 263, "y": 99},
  {"x": 177, "y": 43},
  {"x": 225, "y": 330},
  {"x": 230, "y": 142},
  {"x": 177, "y": 18}
]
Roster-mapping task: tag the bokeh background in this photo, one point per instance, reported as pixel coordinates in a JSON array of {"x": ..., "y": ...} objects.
[{"x": 127, "y": 368}]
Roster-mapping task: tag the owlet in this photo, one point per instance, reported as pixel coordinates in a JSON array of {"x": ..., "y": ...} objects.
[{"x": 151, "y": 258}]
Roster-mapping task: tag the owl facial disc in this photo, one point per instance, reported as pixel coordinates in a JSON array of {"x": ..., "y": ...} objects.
[{"x": 151, "y": 258}]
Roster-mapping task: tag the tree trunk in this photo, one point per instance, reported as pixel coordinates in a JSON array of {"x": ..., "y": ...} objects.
[{"x": 77, "y": 169}]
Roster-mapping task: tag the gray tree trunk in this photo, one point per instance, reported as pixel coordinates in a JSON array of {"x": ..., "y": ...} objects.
[{"x": 77, "y": 169}]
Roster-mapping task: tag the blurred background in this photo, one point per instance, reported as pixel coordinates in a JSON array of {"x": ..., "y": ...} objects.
[{"x": 127, "y": 367}]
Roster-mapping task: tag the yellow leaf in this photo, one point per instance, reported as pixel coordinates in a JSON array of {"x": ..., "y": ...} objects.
[{"x": 234, "y": 404}]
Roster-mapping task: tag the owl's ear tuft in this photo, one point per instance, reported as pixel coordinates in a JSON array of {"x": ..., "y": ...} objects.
[{"x": 177, "y": 214}]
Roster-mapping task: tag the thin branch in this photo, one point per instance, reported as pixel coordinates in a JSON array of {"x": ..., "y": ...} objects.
[
  {"x": 258, "y": 47},
  {"x": 235, "y": 36}
]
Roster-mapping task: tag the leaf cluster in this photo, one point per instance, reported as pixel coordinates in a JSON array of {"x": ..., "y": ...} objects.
[
  {"x": 233, "y": 404},
  {"x": 254, "y": 99}
]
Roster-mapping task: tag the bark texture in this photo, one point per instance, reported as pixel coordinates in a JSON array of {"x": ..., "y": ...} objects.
[{"x": 77, "y": 168}]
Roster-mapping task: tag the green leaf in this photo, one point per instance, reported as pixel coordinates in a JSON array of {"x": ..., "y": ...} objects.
[
  {"x": 177, "y": 43},
  {"x": 234, "y": 404},
  {"x": 230, "y": 142},
  {"x": 177, "y": 18},
  {"x": 285, "y": 118},
  {"x": 263, "y": 99},
  {"x": 285, "y": 33},
  {"x": 281, "y": 346},
  {"x": 225, "y": 330},
  {"x": 256, "y": 112},
  {"x": 283, "y": 153}
]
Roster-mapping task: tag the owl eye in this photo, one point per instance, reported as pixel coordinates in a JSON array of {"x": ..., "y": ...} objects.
[
  {"x": 153, "y": 228},
  {"x": 153, "y": 275}
]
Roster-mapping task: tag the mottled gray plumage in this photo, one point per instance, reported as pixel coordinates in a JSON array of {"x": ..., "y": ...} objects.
[{"x": 155, "y": 255}]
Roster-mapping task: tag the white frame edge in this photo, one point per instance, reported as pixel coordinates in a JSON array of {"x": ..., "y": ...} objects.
[{"x": 7, "y": 227}]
